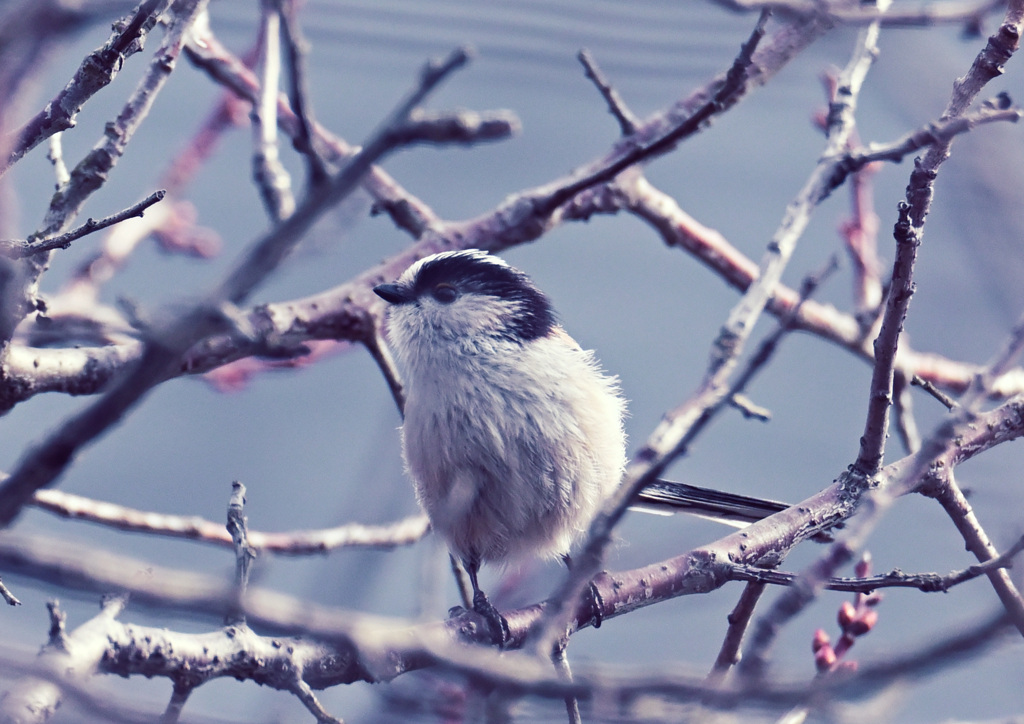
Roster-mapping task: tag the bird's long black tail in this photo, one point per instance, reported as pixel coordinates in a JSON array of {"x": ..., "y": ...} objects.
[{"x": 665, "y": 497}]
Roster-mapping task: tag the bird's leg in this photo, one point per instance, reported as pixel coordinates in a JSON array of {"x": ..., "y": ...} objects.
[
  {"x": 593, "y": 596},
  {"x": 459, "y": 571},
  {"x": 500, "y": 633}
]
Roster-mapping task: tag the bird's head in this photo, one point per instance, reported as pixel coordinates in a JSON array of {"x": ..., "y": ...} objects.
[{"x": 462, "y": 297}]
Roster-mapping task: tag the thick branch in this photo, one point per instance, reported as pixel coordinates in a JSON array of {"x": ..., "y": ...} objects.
[{"x": 366, "y": 648}]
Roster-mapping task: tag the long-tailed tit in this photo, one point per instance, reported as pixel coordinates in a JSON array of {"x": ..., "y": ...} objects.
[{"x": 513, "y": 434}]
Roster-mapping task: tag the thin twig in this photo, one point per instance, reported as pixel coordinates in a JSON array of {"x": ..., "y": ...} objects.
[
  {"x": 906, "y": 424},
  {"x": 295, "y": 543},
  {"x": 268, "y": 252},
  {"x": 708, "y": 246},
  {"x": 750, "y": 409},
  {"x": 9, "y": 597},
  {"x": 949, "y": 495},
  {"x": 382, "y": 356},
  {"x": 245, "y": 554},
  {"x": 616, "y": 106},
  {"x": 999, "y": 364},
  {"x": 954, "y": 12},
  {"x": 41, "y": 465},
  {"x": 407, "y": 211},
  {"x": 466, "y": 127},
  {"x": 179, "y": 697},
  {"x": 563, "y": 671},
  {"x": 901, "y": 289},
  {"x": 926, "y": 582},
  {"x": 768, "y": 346},
  {"x": 97, "y": 70},
  {"x": 733, "y": 87},
  {"x": 996, "y": 110},
  {"x": 272, "y": 180},
  {"x": 948, "y": 402},
  {"x": 860, "y": 231},
  {"x": 666, "y": 442},
  {"x": 93, "y": 170},
  {"x": 296, "y": 49},
  {"x": 90, "y": 173},
  {"x": 818, "y": 186},
  {"x": 739, "y": 619},
  {"x": 305, "y": 694},
  {"x": 19, "y": 249}
]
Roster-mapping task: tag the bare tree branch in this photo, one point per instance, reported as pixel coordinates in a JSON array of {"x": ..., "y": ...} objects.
[
  {"x": 663, "y": 446},
  {"x": 75, "y": 342},
  {"x": 926, "y": 582},
  {"x": 948, "y": 494},
  {"x": 941, "y": 445},
  {"x": 408, "y": 212},
  {"x": 9, "y": 597},
  {"x": 466, "y": 127},
  {"x": 19, "y": 295},
  {"x": 739, "y": 620},
  {"x": 876, "y": 427},
  {"x": 298, "y": 94},
  {"x": 295, "y": 543},
  {"x": 272, "y": 180},
  {"x": 41, "y": 466},
  {"x": 20, "y": 249},
  {"x": 628, "y": 122},
  {"x": 957, "y": 12},
  {"x": 97, "y": 70}
]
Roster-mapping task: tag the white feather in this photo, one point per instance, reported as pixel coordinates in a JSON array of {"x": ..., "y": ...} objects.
[{"x": 512, "y": 445}]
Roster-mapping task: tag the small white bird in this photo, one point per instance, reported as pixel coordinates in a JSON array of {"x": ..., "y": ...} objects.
[{"x": 513, "y": 434}]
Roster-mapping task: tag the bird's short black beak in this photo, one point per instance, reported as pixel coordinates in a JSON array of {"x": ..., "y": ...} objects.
[{"x": 392, "y": 293}]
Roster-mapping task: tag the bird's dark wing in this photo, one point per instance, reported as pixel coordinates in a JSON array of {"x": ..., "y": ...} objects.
[{"x": 666, "y": 497}]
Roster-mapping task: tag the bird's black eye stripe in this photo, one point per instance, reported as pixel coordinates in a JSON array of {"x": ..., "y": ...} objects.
[{"x": 458, "y": 274}]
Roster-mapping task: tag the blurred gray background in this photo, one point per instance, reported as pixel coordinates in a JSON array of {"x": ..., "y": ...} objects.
[{"x": 319, "y": 446}]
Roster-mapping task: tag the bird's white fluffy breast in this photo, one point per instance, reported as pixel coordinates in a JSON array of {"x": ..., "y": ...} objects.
[{"x": 512, "y": 446}]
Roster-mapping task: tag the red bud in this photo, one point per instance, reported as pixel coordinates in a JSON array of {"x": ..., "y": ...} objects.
[
  {"x": 847, "y": 614},
  {"x": 820, "y": 640},
  {"x": 862, "y": 569},
  {"x": 864, "y": 622},
  {"x": 824, "y": 658}
]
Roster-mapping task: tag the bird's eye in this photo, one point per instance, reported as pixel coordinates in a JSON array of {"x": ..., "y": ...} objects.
[{"x": 445, "y": 293}]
